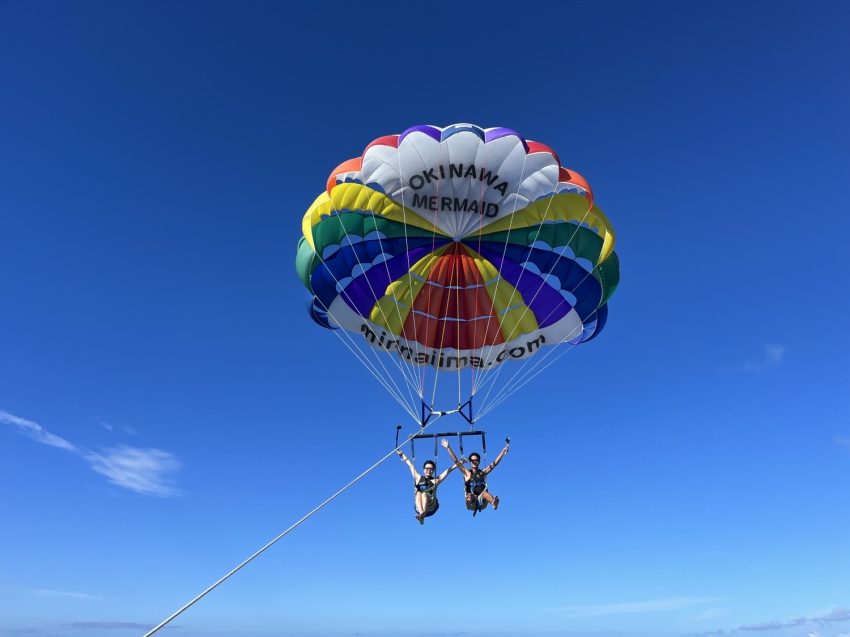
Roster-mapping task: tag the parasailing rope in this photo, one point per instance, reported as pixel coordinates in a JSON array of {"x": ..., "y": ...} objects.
[{"x": 174, "y": 615}]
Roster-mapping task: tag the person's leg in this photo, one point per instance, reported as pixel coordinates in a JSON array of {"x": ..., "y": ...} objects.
[
  {"x": 494, "y": 500},
  {"x": 421, "y": 504}
]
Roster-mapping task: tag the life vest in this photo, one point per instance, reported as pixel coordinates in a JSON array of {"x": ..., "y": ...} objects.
[
  {"x": 477, "y": 482},
  {"x": 425, "y": 485}
]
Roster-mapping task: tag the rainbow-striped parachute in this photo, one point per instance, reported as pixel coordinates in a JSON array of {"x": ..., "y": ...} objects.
[{"x": 456, "y": 248}]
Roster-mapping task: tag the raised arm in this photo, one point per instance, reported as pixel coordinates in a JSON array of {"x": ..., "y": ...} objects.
[
  {"x": 498, "y": 459},
  {"x": 457, "y": 462},
  {"x": 406, "y": 460},
  {"x": 443, "y": 475}
]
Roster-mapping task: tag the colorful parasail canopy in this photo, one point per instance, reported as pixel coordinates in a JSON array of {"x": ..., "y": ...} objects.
[{"x": 458, "y": 247}]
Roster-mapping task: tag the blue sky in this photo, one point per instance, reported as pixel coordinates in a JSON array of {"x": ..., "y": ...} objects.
[{"x": 167, "y": 407}]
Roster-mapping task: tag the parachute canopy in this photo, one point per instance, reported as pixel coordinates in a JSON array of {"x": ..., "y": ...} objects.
[{"x": 458, "y": 248}]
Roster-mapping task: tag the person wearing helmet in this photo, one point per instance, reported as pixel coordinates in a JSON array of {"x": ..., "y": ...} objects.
[
  {"x": 475, "y": 479},
  {"x": 425, "y": 487}
]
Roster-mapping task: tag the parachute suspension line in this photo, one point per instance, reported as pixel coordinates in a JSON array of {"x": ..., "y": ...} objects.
[
  {"x": 416, "y": 377},
  {"x": 279, "y": 537},
  {"x": 527, "y": 375},
  {"x": 384, "y": 378},
  {"x": 384, "y": 381},
  {"x": 473, "y": 377},
  {"x": 491, "y": 378},
  {"x": 450, "y": 278},
  {"x": 453, "y": 278},
  {"x": 431, "y": 313},
  {"x": 361, "y": 355},
  {"x": 399, "y": 365},
  {"x": 521, "y": 376},
  {"x": 458, "y": 326},
  {"x": 411, "y": 374},
  {"x": 507, "y": 390},
  {"x": 539, "y": 361}
]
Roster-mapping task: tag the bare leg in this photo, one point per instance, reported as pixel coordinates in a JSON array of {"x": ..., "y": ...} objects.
[
  {"x": 492, "y": 500},
  {"x": 421, "y": 504}
]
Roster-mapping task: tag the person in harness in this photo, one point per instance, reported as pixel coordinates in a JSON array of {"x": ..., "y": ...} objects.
[
  {"x": 425, "y": 487},
  {"x": 475, "y": 479}
]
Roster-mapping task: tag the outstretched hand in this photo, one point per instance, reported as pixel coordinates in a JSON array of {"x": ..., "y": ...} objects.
[{"x": 445, "y": 443}]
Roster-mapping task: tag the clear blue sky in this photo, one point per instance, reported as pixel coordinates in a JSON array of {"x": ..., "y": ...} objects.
[{"x": 167, "y": 407}]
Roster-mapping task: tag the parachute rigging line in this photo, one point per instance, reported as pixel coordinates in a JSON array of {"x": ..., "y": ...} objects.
[
  {"x": 507, "y": 390},
  {"x": 386, "y": 378},
  {"x": 526, "y": 371},
  {"x": 279, "y": 537},
  {"x": 359, "y": 351}
]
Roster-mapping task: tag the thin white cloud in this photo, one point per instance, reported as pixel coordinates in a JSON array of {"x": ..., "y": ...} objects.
[
  {"x": 35, "y": 431},
  {"x": 145, "y": 471},
  {"x": 112, "y": 625},
  {"x": 771, "y": 356},
  {"x": 46, "y": 592},
  {"x": 655, "y": 605},
  {"x": 712, "y": 613},
  {"x": 110, "y": 427},
  {"x": 141, "y": 470},
  {"x": 844, "y": 442}
]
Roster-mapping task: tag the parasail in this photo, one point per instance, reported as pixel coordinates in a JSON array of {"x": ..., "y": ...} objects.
[{"x": 457, "y": 250}]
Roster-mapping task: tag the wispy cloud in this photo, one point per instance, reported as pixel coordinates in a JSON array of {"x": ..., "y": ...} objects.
[
  {"x": 110, "y": 427},
  {"x": 141, "y": 470},
  {"x": 712, "y": 613},
  {"x": 46, "y": 592},
  {"x": 844, "y": 442},
  {"x": 35, "y": 431},
  {"x": 111, "y": 625},
  {"x": 655, "y": 605},
  {"x": 771, "y": 356},
  {"x": 145, "y": 471}
]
